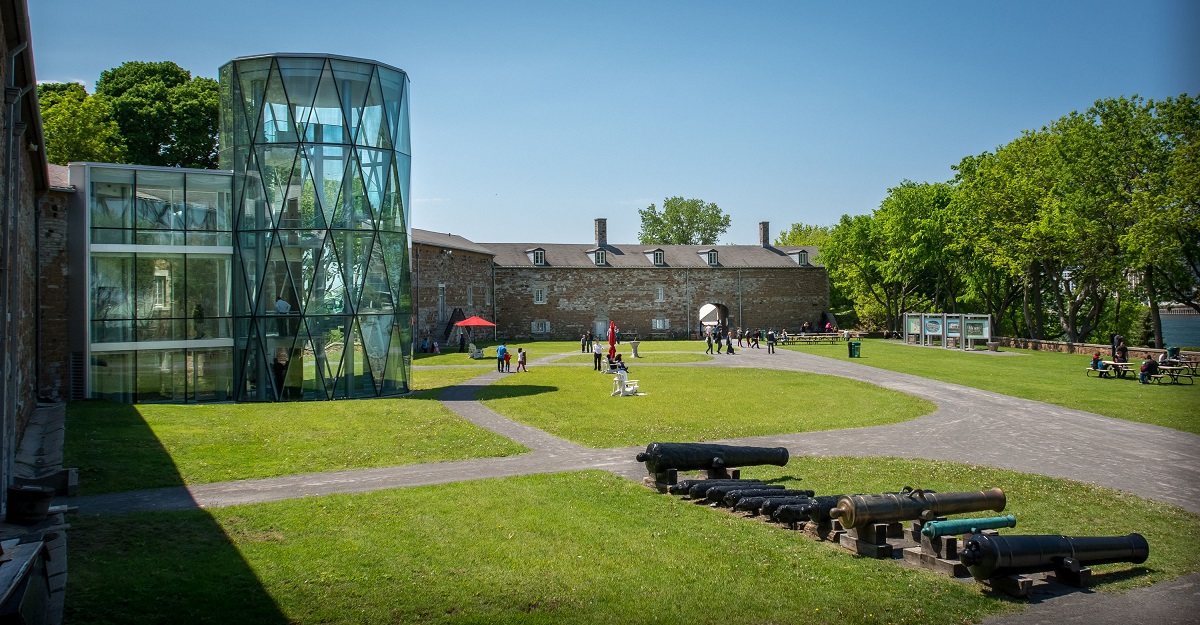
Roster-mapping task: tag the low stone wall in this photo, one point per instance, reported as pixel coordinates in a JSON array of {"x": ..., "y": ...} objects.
[{"x": 1135, "y": 353}]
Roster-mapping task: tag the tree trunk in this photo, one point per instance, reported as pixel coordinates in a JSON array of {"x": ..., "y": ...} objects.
[{"x": 1155, "y": 317}]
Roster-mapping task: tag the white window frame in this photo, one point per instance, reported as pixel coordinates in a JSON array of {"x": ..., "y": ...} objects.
[
  {"x": 712, "y": 258},
  {"x": 660, "y": 324},
  {"x": 659, "y": 259},
  {"x": 539, "y": 295},
  {"x": 539, "y": 257},
  {"x": 540, "y": 327},
  {"x": 600, "y": 258},
  {"x": 660, "y": 293},
  {"x": 801, "y": 257}
]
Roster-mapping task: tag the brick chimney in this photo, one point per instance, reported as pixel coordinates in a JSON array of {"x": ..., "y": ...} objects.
[
  {"x": 764, "y": 233},
  {"x": 601, "y": 232}
]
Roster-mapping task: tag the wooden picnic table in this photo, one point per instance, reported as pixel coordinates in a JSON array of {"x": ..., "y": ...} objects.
[
  {"x": 1190, "y": 365},
  {"x": 1174, "y": 373},
  {"x": 1121, "y": 368}
]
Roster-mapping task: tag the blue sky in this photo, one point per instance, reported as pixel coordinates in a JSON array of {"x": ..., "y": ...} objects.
[{"x": 531, "y": 119}]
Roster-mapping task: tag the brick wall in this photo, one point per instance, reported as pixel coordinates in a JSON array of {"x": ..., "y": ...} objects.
[
  {"x": 54, "y": 305},
  {"x": 578, "y": 298},
  {"x": 468, "y": 280}
]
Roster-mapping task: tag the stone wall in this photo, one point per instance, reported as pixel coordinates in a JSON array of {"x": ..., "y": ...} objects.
[
  {"x": 1135, "y": 353},
  {"x": 53, "y": 307},
  {"x": 467, "y": 277},
  {"x": 582, "y": 299}
]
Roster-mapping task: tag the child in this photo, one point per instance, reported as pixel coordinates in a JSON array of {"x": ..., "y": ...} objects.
[
  {"x": 436, "y": 349},
  {"x": 521, "y": 355},
  {"x": 507, "y": 359},
  {"x": 1097, "y": 364}
]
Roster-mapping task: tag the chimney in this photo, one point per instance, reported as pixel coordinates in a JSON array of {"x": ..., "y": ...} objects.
[
  {"x": 764, "y": 233},
  {"x": 601, "y": 232}
]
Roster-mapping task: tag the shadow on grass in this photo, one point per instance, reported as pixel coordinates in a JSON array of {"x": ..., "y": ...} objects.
[
  {"x": 147, "y": 567},
  {"x": 1051, "y": 589},
  {"x": 505, "y": 391}
]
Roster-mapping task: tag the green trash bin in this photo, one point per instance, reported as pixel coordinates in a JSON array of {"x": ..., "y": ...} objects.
[
  {"x": 1173, "y": 353},
  {"x": 855, "y": 349}
]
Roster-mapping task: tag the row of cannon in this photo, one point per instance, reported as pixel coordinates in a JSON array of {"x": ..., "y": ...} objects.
[{"x": 866, "y": 524}]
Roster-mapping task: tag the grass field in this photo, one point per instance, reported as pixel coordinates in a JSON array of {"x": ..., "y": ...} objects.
[
  {"x": 1049, "y": 377},
  {"x": 579, "y": 548},
  {"x": 692, "y": 404},
  {"x": 121, "y": 447}
]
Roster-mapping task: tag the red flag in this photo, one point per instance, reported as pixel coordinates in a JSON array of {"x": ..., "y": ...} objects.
[{"x": 612, "y": 339}]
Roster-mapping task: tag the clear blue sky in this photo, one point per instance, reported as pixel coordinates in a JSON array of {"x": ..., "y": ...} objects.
[{"x": 530, "y": 119}]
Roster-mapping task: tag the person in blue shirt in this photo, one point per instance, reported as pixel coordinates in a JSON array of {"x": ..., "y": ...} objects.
[{"x": 500, "y": 352}]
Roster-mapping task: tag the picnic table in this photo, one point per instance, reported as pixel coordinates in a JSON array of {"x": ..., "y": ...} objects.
[
  {"x": 812, "y": 339},
  {"x": 1110, "y": 367},
  {"x": 1190, "y": 365},
  {"x": 1174, "y": 373}
]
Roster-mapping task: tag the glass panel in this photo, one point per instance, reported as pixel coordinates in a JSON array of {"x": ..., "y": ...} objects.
[
  {"x": 300, "y": 79},
  {"x": 326, "y": 124},
  {"x": 354, "y": 249},
  {"x": 253, "y": 214},
  {"x": 252, "y": 77},
  {"x": 112, "y": 376},
  {"x": 376, "y": 294},
  {"x": 353, "y": 80},
  {"x": 112, "y": 235},
  {"x": 112, "y": 298},
  {"x": 328, "y": 334},
  {"x": 161, "y": 376},
  {"x": 159, "y": 206},
  {"x": 210, "y": 375},
  {"x": 111, "y": 198},
  {"x": 404, "y": 171},
  {"x": 327, "y": 164},
  {"x": 358, "y": 368},
  {"x": 208, "y": 295},
  {"x": 277, "y": 165},
  {"x": 376, "y": 336},
  {"x": 278, "y": 125},
  {"x": 396, "y": 376},
  {"x": 307, "y": 211},
  {"x": 208, "y": 203},
  {"x": 160, "y": 286},
  {"x": 252, "y": 251},
  {"x": 391, "y": 83},
  {"x": 373, "y": 128},
  {"x": 375, "y": 166},
  {"x": 328, "y": 293}
]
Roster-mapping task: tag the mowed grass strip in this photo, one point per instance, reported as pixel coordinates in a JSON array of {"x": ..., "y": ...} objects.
[
  {"x": 583, "y": 547},
  {"x": 120, "y": 447},
  {"x": 692, "y": 404},
  {"x": 1050, "y": 377}
]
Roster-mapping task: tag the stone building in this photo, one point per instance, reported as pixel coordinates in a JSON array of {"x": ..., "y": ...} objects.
[{"x": 559, "y": 291}]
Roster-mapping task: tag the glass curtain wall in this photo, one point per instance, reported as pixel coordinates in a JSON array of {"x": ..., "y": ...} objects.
[{"x": 319, "y": 148}]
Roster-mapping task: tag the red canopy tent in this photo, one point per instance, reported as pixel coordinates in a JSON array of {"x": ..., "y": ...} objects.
[{"x": 475, "y": 322}]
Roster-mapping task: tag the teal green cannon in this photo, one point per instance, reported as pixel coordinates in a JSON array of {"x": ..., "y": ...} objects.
[{"x": 954, "y": 527}]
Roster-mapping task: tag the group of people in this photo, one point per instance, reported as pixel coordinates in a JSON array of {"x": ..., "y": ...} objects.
[
  {"x": 599, "y": 358},
  {"x": 586, "y": 341},
  {"x": 1120, "y": 354},
  {"x": 504, "y": 359},
  {"x": 426, "y": 348}
]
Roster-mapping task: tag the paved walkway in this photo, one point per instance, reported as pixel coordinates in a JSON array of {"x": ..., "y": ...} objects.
[{"x": 969, "y": 425}]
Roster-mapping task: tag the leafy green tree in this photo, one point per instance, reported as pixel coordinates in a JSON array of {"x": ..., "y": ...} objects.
[
  {"x": 803, "y": 234},
  {"x": 78, "y": 127},
  {"x": 682, "y": 222},
  {"x": 166, "y": 116}
]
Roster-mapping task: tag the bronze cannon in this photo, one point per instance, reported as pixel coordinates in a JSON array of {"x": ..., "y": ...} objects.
[{"x": 856, "y": 511}]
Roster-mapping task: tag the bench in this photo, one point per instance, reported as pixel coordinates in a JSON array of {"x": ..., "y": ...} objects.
[
  {"x": 474, "y": 352},
  {"x": 1101, "y": 373}
]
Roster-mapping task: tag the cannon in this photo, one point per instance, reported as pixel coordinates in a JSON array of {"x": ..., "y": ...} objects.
[
  {"x": 684, "y": 487},
  {"x": 664, "y": 460},
  {"x": 700, "y": 491},
  {"x": 767, "y": 504},
  {"x": 996, "y": 559},
  {"x": 818, "y": 508},
  {"x": 857, "y": 511},
  {"x": 937, "y": 529},
  {"x": 789, "y": 513},
  {"x": 715, "y": 494},
  {"x": 732, "y": 497}
]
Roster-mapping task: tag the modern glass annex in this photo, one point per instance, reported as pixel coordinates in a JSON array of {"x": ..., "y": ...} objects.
[{"x": 319, "y": 148}]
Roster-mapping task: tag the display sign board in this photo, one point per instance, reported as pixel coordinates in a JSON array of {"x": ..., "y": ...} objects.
[
  {"x": 914, "y": 324},
  {"x": 953, "y": 325},
  {"x": 933, "y": 327},
  {"x": 979, "y": 328}
]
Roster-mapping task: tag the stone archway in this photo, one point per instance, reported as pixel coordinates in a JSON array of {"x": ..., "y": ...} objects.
[{"x": 713, "y": 314}]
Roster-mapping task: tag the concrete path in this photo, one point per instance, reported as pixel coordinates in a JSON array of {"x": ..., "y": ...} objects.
[{"x": 969, "y": 425}]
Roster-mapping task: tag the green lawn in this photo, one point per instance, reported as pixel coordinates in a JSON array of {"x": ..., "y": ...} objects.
[
  {"x": 650, "y": 358},
  {"x": 1049, "y": 377},
  {"x": 567, "y": 548},
  {"x": 122, "y": 447},
  {"x": 692, "y": 404}
]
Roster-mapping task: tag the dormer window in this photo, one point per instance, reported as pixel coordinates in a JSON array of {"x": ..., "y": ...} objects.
[
  {"x": 539, "y": 257},
  {"x": 800, "y": 256},
  {"x": 599, "y": 257},
  {"x": 658, "y": 258},
  {"x": 712, "y": 258}
]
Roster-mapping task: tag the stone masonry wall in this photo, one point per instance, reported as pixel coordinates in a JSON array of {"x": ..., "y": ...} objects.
[
  {"x": 579, "y": 298},
  {"x": 468, "y": 280},
  {"x": 53, "y": 377}
]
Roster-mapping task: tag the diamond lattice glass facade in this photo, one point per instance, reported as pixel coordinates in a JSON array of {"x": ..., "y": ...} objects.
[{"x": 319, "y": 148}]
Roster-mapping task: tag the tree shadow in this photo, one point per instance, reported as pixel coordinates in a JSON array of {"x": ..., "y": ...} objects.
[
  {"x": 505, "y": 391},
  {"x": 147, "y": 567}
]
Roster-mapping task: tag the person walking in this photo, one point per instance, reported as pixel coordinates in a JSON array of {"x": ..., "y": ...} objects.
[
  {"x": 521, "y": 356},
  {"x": 771, "y": 341},
  {"x": 729, "y": 342},
  {"x": 501, "y": 352},
  {"x": 597, "y": 351},
  {"x": 708, "y": 341}
]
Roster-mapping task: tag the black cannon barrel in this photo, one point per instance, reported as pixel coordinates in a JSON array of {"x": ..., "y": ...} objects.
[
  {"x": 683, "y": 487},
  {"x": 988, "y": 556},
  {"x": 754, "y": 504},
  {"x": 790, "y": 513},
  {"x": 818, "y": 508},
  {"x": 862, "y": 510},
  {"x": 732, "y": 497},
  {"x": 694, "y": 456},
  {"x": 699, "y": 491},
  {"x": 716, "y": 494}
]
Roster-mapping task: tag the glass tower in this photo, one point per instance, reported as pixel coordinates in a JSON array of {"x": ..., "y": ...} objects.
[{"x": 319, "y": 148}]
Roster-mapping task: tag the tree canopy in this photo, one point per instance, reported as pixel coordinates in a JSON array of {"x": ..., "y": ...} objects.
[
  {"x": 166, "y": 116},
  {"x": 682, "y": 222},
  {"x": 78, "y": 127}
]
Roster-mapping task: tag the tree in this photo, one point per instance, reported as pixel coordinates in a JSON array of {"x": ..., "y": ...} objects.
[
  {"x": 803, "y": 234},
  {"x": 78, "y": 127},
  {"x": 166, "y": 116},
  {"x": 682, "y": 222}
]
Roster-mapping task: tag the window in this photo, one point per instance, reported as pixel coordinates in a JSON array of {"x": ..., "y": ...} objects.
[
  {"x": 539, "y": 295},
  {"x": 470, "y": 296},
  {"x": 658, "y": 258},
  {"x": 660, "y": 324},
  {"x": 540, "y": 327},
  {"x": 801, "y": 257},
  {"x": 600, "y": 257},
  {"x": 660, "y": 293},
  {"x": 539, "y": 257},
  {"x": 160, "y": 290},
  {"x": 712, "y": 257}
]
